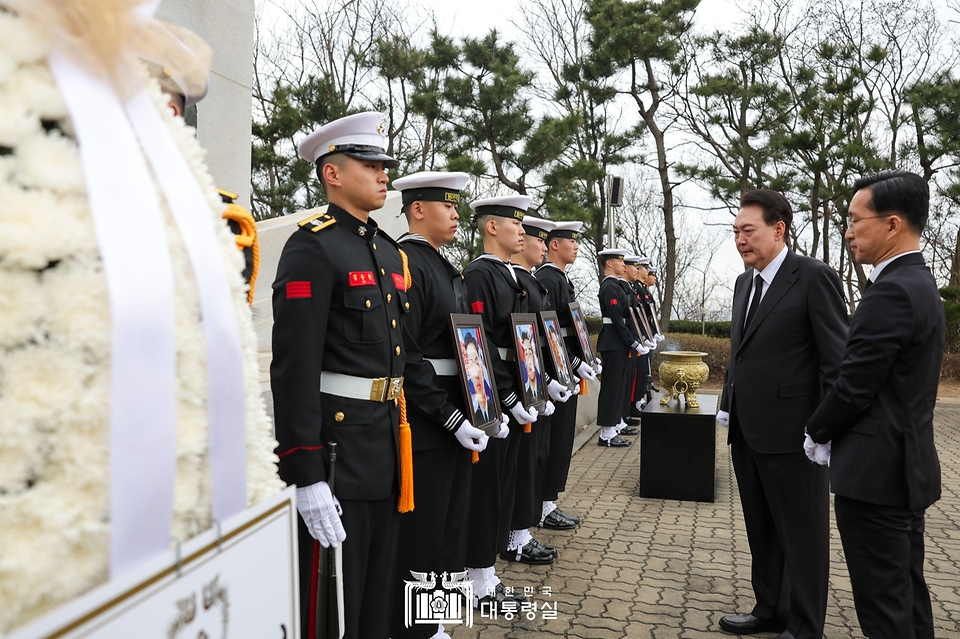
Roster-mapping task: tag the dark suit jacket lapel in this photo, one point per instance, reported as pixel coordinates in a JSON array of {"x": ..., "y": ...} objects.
[{"x": 785, "y": 279}]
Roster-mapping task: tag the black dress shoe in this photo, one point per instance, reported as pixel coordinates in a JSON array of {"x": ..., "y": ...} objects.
[
  {"x": 629, "y": 430},
  {"x": 532, "y": 553},
  {"x": 748, "y": 624},
  {"x": 557, "y": 521},
  {"x": 615, "y": 442},
  {"x": 572, "y": 518},
  {"x": 550, "y": 550}
]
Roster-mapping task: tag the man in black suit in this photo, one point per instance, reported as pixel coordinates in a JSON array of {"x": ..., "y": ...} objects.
[
  {"x": 879, "y": 414},
  {"x": 788, "y": 328}
]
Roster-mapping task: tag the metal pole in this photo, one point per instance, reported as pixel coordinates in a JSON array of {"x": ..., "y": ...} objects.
[{"x": 611, "y": 229}]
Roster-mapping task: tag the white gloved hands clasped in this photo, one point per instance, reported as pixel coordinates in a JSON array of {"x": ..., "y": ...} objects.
[
  {"x": 321, "y": 513},
  {"x": 723, "y": 418},
  {"x": 642, "y": 349},
  {"x": 558, "y": 392},
  {"x": 584, "y": 371},
  {"x": 651, "y": 344},
  {"x": 471, "y": 438},
  {"x": 597, "y": 367},
  {"x": 817, "y": 453},
  {"x": 521, "y": 415},
  {"x": 547, "y": 409},
  {"x": 658, "y": 337}
]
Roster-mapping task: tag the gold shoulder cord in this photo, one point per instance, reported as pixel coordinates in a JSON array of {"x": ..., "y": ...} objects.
[{"x": 405, "y": 503}]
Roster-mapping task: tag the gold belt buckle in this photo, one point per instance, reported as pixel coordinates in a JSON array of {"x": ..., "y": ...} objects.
[
  {"x": 396, "y": 385},
  {"x": 378, "y": 390}
]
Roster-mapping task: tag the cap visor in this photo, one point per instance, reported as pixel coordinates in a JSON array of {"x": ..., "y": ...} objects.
[{"x": 388, "y": 161}]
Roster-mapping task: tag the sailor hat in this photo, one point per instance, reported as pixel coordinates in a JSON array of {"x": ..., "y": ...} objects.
[
  {"x": 538, "y": 227},
  {"x": 566, "y": 230},
  {"x": 511, "y": 206},
  {"x": 431, "y": 186}
]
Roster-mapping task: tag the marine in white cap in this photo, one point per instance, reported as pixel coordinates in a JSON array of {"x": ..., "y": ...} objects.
[
  {"x": 433, "y": 537},
  {"x": 338, "y": 363},
  {"x": 493, "y": 293}
]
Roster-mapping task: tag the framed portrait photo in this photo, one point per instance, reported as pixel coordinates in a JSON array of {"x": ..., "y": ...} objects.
[
  {"x": 473, "y": 358},
  {"x": 583, "y": 335},
  {"x": 555, "y": 346},
  {"x": 532, "y": 391}
]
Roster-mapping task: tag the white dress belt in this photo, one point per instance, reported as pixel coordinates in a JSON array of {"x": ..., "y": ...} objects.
[
  {"x": 444, "y": 367},
  {"x": 380, "y": 389},
  {"x": 607, "y": 320}
]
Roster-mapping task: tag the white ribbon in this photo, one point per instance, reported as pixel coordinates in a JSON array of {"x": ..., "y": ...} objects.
[
  {"x": 136, "y": 259},
  {"x": 136, "y": 263}
]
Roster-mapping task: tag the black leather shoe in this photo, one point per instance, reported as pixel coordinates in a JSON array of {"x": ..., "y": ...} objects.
[
  {"x": 572, "y": 518},
  {"x": 533, "y": 553},
  {"x": 557, "y": 521},
  {"x": 550, "y": 550},
  {"x": 615, "y": 442},
  {"x": 748, "y": 624},
  {"x": 629, "y": 430}
]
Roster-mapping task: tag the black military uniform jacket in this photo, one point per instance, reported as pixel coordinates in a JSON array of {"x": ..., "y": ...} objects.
[
  {"x": 493, "y": 292},
  {"x": 338, "y": 303},
  {"x": 614, "y": 304},
  {"x": 561, "y": 291},
  {"x": 435, "y": 403}
]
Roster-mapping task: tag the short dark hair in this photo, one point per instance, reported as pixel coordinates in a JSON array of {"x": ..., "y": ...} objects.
[
  {"x": 775, "y": 207},
  {"x": 900, "y": 192}
]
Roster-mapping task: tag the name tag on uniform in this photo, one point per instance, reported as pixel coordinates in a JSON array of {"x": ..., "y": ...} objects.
[
  {"x": 399, "y": 282},
  {"x": 362, "y": 278}
]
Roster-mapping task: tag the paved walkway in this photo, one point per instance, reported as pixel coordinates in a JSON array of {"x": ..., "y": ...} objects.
[{"x": 668, "y": 569}]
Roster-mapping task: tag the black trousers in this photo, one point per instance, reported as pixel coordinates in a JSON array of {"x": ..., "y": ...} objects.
[
  {"x": 884, "y": 551},
  {"x": 786, "y": 511},
  {"x": 527, "y": 504},
  {"x": 559, "y": 449},
  {"x": 433, "y": 536},
  {"x": 491, "y": 493},
  {"x": 369, "y": 558},
  {"x": 612, "y": 387},
  {"x": 629, "y": 379}
]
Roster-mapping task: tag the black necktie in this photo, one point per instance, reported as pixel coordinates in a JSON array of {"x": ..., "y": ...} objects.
[{"x": 757, "y": 292}]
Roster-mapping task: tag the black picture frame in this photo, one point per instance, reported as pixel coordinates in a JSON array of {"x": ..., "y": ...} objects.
[
  {"x": 555, "y": 346},
  {"x": 532, "y": 391},
  {"x": 483, "y": 408},
  {"x": 583, "y": 334},
  {"x": 641, "y": 323}
]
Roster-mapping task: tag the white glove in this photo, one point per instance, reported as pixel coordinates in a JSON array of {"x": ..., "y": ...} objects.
[
  {"x": 817, "y": 453},
  {"x": 504, "y": 429},
  {"x": 658, "y": 337},
  {"x": 471, "y": 438},
  {"x": 522, "y": 416},
  {"x": 586, "y": 372},
  {"x": 640, "y": 403},
  {"x": 650, "y": 344},
  {"x": 723, "y": 418},
  {"x": 321, "y": 513},
  {"x": 641, "y": 349},
  {"x": 597, "y": 367},
  {"x": 548, "y": 408},
  {"x": 576, "y": 385},
  {"x": 557, "y": 392}
]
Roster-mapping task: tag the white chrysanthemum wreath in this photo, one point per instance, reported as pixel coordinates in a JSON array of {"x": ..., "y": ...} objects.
[{"x": 55, "y": 351}]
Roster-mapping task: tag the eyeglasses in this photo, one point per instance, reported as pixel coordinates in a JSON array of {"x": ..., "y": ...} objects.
[{"x": 852, "y": 223}]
